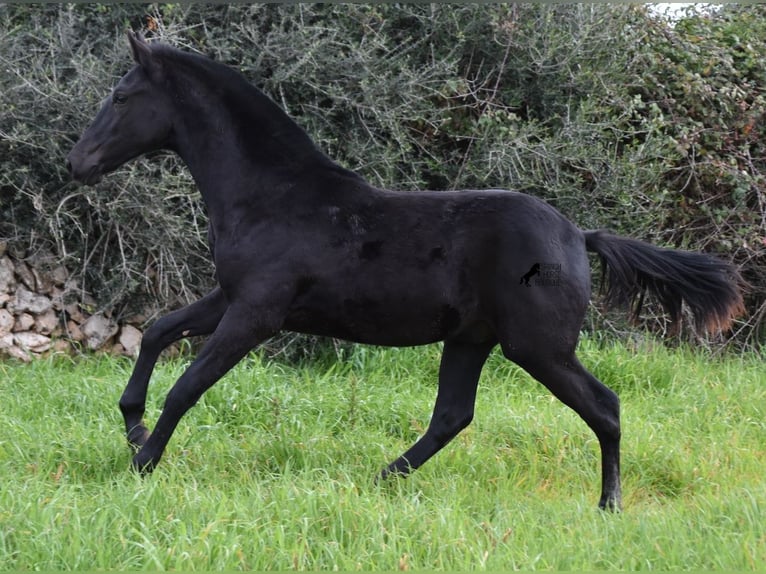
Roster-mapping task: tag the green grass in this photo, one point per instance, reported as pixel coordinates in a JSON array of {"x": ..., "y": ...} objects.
[{"x": 274, "y": 469}]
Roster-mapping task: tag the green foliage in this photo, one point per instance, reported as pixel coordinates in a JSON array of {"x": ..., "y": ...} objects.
[
  {"x": 705, "y": 79},
  {"x": 273, "y": 470},
  {"x": 614, "y": 116}
]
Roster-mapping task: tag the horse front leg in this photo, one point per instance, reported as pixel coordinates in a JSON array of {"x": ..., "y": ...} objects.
[
  {"x": 199, "y": 318},
  {"x": 237, "y": 333}
]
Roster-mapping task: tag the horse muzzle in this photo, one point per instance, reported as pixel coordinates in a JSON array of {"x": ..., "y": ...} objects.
[{"x": 83, "y": 168}]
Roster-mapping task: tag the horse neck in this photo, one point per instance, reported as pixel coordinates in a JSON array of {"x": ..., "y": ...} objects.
[{"x": 242, "y": 148}]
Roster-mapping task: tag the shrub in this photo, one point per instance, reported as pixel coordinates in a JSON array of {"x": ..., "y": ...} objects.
[{"x": 609, "y": 113}]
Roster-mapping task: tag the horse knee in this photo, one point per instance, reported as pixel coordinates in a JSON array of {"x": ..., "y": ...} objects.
[{"x": 155, "y": 338}]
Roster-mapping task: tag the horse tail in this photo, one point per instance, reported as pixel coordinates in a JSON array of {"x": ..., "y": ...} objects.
[{"x": 710, "y": 287}]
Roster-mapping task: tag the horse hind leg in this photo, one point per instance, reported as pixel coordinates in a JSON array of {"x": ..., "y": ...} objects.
[
  {"x": 459, "y": 372},
  {"x": 596, "y": 404}
]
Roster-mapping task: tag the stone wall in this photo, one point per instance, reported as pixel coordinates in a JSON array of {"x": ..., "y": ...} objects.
[{"x": 43, "y": 310}]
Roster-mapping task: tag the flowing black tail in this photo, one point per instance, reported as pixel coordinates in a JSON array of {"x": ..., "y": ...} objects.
[{"x": 710, "y": 287}]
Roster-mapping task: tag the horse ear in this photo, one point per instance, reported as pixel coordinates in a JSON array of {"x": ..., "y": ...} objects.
[{"x": 142, "y": 54}]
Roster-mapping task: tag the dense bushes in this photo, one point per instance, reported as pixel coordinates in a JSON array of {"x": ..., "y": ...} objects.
[{"x": 610, "y": 114}]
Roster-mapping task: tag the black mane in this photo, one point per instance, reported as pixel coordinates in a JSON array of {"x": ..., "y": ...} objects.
[{"x": 263, "y": 127}]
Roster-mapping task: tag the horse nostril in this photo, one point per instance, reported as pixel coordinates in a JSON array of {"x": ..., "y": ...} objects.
[{"x": 69, "y": 166}]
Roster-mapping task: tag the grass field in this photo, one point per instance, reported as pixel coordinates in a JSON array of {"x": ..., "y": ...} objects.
[{"x": 274, "y": 469}]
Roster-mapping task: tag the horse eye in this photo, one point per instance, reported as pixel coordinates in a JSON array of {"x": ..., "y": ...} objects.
[{"x": 119, "y": 98}]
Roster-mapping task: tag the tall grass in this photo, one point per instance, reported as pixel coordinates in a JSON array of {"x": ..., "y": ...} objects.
[{"x": 274, "y": 469}]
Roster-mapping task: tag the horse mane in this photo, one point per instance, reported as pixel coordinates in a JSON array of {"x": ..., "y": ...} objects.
[{"x": 263, "y": 126}]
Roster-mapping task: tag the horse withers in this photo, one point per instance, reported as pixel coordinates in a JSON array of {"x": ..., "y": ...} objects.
[{"x": 302, "y": 244}]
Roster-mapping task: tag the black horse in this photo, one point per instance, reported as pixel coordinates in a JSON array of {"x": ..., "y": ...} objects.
[{"x": 302, "y": 244}]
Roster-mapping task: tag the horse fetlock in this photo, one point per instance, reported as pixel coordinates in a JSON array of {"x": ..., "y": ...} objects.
[
  {"x": 130, "y": 407},
  {"x": 447, "y": 426}
]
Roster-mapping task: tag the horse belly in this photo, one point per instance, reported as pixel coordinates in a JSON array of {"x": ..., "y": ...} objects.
[{"x": 377, "y": 319}]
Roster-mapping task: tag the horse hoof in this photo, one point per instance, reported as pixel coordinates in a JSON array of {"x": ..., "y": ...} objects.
[
  {"x": 393, "y": 470},
  {"x": 610, "y": 505},
  {"x": 382, "y": 476},
  {"x": 143, "y": 465},
  {"x": 137, "y": 437}
]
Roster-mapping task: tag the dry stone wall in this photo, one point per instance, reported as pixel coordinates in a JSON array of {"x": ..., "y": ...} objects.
[{"x": 43, "y": 310}]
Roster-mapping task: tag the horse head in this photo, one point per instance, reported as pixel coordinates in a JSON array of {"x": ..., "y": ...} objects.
[{"x": 134, "y": 119}]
